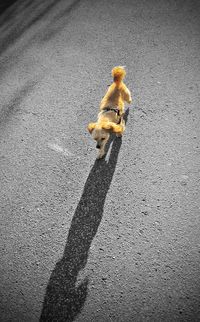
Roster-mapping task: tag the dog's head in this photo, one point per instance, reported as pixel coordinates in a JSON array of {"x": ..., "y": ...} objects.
[{"x": 101, "y": 131}]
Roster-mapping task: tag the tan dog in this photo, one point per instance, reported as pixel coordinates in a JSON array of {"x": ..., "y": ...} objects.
[{"x": 110, "y": 118}]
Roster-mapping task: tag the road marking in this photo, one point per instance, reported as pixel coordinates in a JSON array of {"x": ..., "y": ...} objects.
[{"x": 57, "y": 148}]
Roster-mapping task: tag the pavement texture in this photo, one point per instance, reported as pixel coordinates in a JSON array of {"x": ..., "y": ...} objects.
[{"x": 111, "y": 240}]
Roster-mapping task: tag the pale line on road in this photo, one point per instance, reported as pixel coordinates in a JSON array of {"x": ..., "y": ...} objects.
[{"x": 60, "y": 149}]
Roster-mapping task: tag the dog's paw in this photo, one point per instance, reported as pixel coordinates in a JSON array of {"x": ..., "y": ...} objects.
[
  {"x": 100, "y": 156},
  {"x": 119, "y": 135}
]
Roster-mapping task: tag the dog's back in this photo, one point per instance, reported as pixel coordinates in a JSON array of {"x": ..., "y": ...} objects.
[{"x": 117, "y": 92}]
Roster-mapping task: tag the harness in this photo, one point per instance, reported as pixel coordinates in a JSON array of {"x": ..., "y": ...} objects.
[{"x": 113, "y": 109}]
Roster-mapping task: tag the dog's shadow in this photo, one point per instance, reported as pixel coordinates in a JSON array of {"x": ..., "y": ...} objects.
[{"x": 64, "y": 299}]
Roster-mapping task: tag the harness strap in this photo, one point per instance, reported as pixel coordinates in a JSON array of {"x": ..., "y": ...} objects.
[{"x": 114, "y": 109}]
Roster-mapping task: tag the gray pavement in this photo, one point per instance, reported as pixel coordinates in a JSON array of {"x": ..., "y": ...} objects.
[{"x": 111, "y": 240}]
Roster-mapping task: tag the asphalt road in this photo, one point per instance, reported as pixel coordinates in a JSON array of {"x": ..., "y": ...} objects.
[{"x": 111, "y": 240}]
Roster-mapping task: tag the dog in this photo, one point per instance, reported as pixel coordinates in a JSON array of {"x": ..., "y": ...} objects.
[{"x": 110, "y": 118}]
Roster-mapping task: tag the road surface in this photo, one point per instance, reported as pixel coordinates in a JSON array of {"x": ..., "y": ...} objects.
[{"x": 111, "y": 240}]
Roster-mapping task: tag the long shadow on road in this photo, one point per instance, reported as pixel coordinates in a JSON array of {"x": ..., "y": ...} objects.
[{"x": 64, "y": 299}]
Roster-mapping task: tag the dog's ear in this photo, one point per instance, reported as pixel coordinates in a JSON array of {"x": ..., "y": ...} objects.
[
  {"x": 91, "y": 127},
  {"x": 116, "y": 128}
]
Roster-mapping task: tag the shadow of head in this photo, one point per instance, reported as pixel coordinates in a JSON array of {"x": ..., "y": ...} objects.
[{"x": 64, "y": 299}]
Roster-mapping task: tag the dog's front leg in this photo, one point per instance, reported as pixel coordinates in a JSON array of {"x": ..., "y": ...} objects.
[
  {"x": 122, "y": 123},
  {"x": 101, "y": 153}
]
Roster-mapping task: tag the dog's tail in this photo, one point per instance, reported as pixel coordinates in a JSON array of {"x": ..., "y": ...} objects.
[{"x": 118, "y": 73}]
